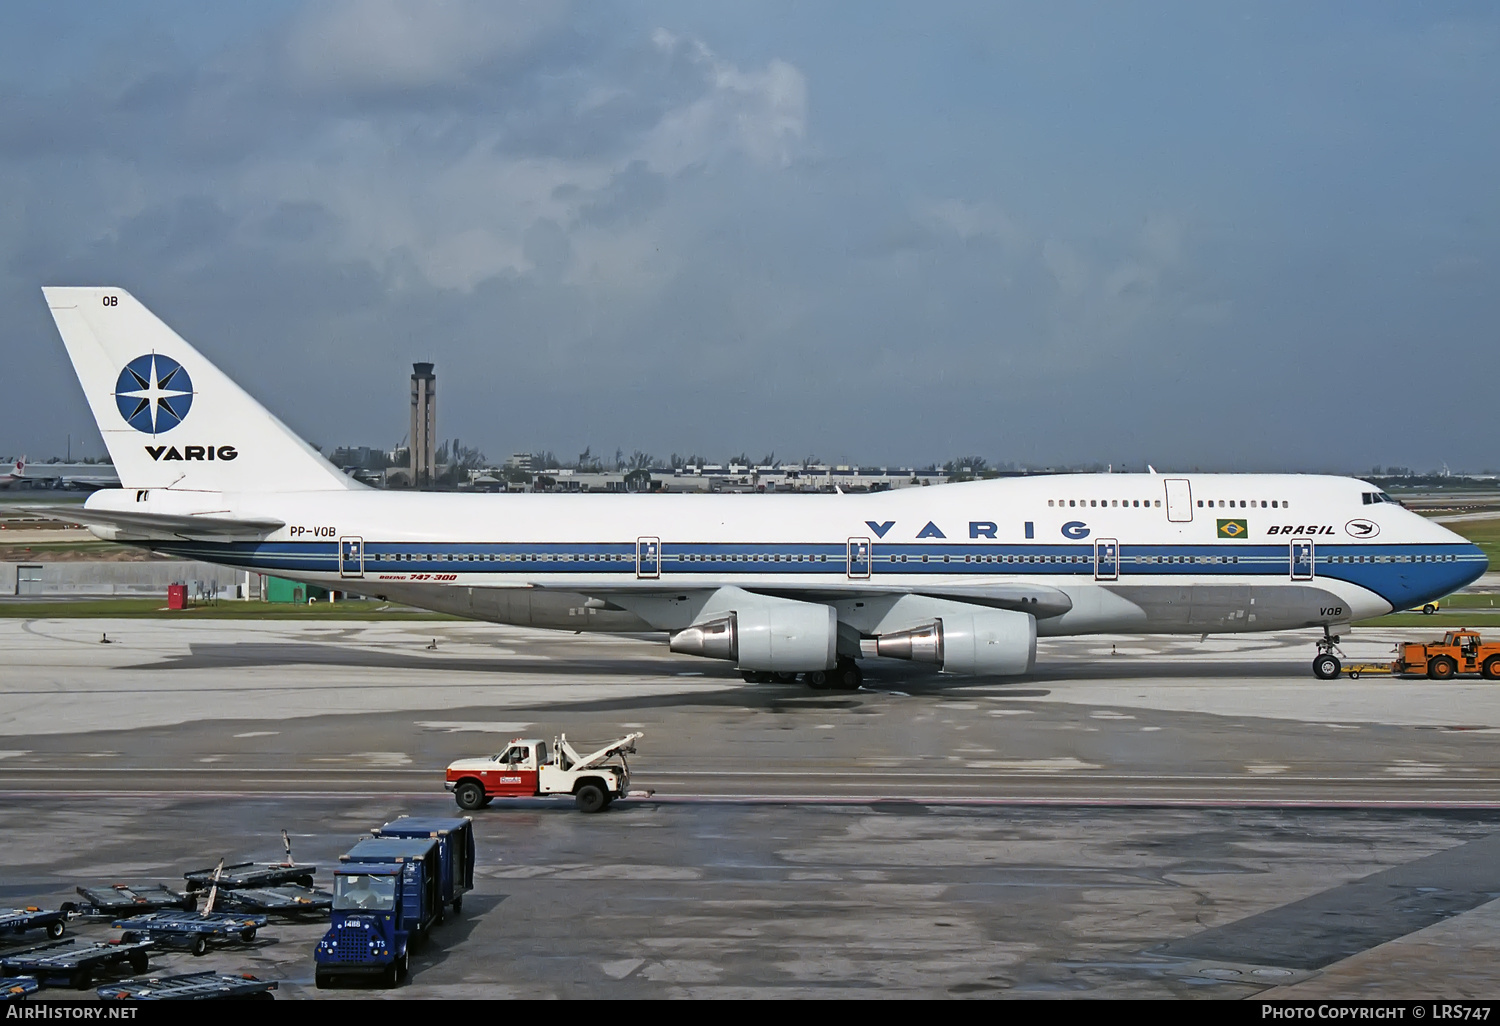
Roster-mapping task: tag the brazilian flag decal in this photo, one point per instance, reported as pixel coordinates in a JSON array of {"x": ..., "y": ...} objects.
[{"x": 1233, "y": 529}]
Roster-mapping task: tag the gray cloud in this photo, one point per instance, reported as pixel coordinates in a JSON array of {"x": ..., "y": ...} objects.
[{"x": 612, "y": 229}]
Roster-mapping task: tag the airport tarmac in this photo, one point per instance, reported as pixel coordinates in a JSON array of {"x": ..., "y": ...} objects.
[{"x": 1142, "y": 816}]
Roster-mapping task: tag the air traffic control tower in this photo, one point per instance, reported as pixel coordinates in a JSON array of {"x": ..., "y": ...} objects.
[{"x": 423, "y": 424}]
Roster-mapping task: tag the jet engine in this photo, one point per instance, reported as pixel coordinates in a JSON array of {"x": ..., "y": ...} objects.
[
  {"x": 764, "y": 633},
  {"x": 997, "y": 641}
]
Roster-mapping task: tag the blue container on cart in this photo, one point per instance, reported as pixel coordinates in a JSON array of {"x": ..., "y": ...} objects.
[{"x": 455, "y": 840}]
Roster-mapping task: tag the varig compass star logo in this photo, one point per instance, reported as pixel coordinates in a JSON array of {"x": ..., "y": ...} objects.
[{"x": 154, "y": 393}]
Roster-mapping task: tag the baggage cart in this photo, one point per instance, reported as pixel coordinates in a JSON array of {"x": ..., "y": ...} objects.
[
  {"x": 73, "y": 964},
  {"x": 206, "y": 986},
  {"x": 250, "y": 874},
  {"x": 190, "y": 930},
  {"x": 298, "y": 903},
  {"x": 15, "y": 988},
  {"x": 124, "y": 899},
  {"x": 19, "y": 920}
]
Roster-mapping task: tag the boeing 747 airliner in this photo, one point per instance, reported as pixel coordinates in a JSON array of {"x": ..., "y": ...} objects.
[{"x": 962, "y": 576}]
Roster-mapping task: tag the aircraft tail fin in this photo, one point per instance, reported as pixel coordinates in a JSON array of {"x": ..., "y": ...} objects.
[{"x": 169, "y": 417}]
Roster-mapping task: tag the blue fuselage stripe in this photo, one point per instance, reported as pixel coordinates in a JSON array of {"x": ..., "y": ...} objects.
[{"x": 1402, "y": 574}]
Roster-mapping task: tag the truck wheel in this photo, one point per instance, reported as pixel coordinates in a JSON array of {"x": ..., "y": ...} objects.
[
  {"x": 1429, "y": 609},
  {"x": 458, "y": 905},
  {"x": 139, "y": 963},
  {"x": 403, "y": 965},
  {"x": 590, "y": 798},
  {"x": 81, "y": 978},
  {"x": 200, "y": 945},
  {"x": 248, "y": 934},
  {"x": 303, "y": 881},
  {"x": 1442, "y": 668},
  {"x": 469, "y": 795},
  {"x": 56, "y": 930},
  {"x": 322, "y": 980},
  {"x": 1491, "y": 669},
  {"x": 391, "y": 976},
  {"x": 1327, "y": 667}
]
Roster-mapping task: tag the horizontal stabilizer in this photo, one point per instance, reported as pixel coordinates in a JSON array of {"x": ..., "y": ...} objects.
[{"x": 114, "y": 525}]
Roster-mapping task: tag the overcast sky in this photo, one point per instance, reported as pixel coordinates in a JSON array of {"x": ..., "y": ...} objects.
[{"x": 1233, "y": 235}]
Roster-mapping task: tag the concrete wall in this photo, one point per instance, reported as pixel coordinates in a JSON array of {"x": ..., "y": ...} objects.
[{"x": 124, "y": 578}]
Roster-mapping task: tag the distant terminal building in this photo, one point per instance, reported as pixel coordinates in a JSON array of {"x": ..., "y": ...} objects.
[{"x": 423, "y": 425}]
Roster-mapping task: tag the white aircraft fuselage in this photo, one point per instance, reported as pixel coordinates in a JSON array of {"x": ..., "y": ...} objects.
[{"x": 965, "y": 576}]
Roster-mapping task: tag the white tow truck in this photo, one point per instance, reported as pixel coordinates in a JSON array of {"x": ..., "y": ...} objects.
[{"x": 529, "y": 769}]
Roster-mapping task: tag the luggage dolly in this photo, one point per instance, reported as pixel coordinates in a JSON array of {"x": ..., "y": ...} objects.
[
  {"x": 15, "y": 988},
  {"x": 19, "y": 920},
  {"x": 66, "y": 961},
  {"x": 122, "y": 899},
  {"x": 189, "y": 987},
  {"x": 190, "y": 930},
  {"x": 253, "y": 874},
  {"x": 282, "y": 902}
]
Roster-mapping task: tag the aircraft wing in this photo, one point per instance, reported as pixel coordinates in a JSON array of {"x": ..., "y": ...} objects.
[
  {"x": 1040, "y": 600},
  {"x": 132, "y": 526}
]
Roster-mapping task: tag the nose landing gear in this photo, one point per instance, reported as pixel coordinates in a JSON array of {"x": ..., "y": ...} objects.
[{"x": 1326, "y": 665}]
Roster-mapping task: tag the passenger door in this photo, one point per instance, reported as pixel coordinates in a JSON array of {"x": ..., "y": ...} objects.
[
  {"x": 351, "y": 556},
  {"x": 648, "y": 558},
  {"x": 1179, "y": 500},
  {"x": 859, "y": 559},
  {"x": 1106, "y": 559},
  {"x": 1302, "y": 559}
]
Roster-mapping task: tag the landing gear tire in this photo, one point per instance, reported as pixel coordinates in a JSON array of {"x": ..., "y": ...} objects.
[
  {"x": 1491, "y": 669},
  {"x": 469, "y": 795},
  {"x": 817, "y": 680},
  {"x": 1327, "y": 667},
  {"x": 1442, "y": 668},
  {"x": 846, "y": 676}
]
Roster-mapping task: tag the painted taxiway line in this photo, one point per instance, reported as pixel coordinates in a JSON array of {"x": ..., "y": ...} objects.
[
  {"x": 962, "y": 777},
  {"x": 991, "y": 801}
]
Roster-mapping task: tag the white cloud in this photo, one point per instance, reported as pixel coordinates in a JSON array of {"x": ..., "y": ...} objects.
[
  {"x": 761, "y": 113},
  {"x": 358, "y": 45}
]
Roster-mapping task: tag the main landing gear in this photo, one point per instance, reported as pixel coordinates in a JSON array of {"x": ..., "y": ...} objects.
[
  {"x": 1326, "y": 665},
  {"x": 846, "y": 676}
]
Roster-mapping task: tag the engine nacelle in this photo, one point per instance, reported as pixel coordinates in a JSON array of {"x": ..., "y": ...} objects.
[
  {"x": 764, "y": 633},
  {"x": 999, "y": 642}
]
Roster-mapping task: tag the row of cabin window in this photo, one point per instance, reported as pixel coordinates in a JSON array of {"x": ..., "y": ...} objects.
[
  {"x": 1273, "y": 504},
  {"x": 1104, "y": 502},
  {"x": 459, "y": 557},
  {"x": 1434, "y": 558}
]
